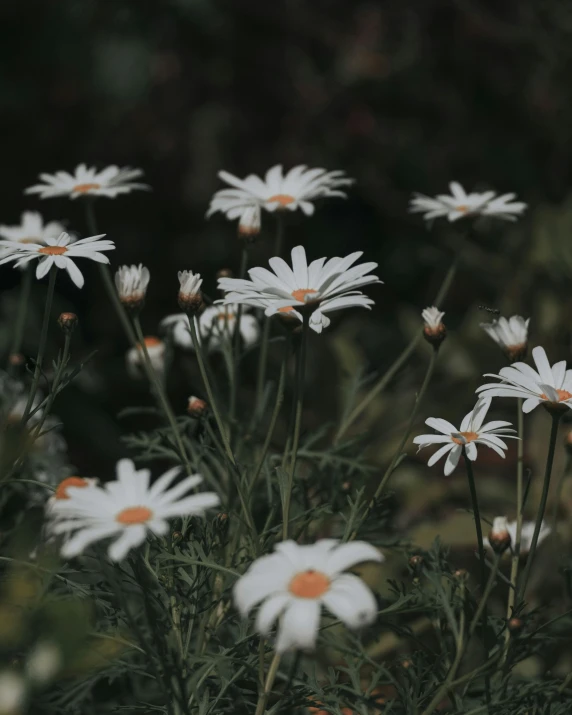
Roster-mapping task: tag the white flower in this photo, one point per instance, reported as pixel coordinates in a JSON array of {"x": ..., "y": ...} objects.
[
  {"x": 136, "y": 359},
  {"x": 216, "y": 326},
  {"x": 323, "y": 286},
  {"x": 131, "y": 283},
  {"x": 295, "y": 581},
  {"x": 86, "y": 181},
  {"x": 31, "y": 229},
  {"x": 432, "y": 317},
  {"x": 526, "y": 533},
  {"x": 511, "y": 335},
  {"x": 127, "y": 508},
  {"x": 59, "y": 252},
  {"x": 460, "y": 204},
  {"x": 277, "y": 191},
  {"x": 44, "y": 662},
  {"x": 551, "y": 386},
  {"x": 12, "y": 692},
  {"x": 471, "y": 432},
  {"x": 61, "y": 492}
]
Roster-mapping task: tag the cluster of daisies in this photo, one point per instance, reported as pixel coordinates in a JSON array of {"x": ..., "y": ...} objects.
[{"x": 293, "y": 583}]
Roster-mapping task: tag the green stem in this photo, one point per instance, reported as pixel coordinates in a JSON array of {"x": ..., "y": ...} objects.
[
  {"x": 42, "y": 345},
  {"x": 558, "y": 491},
  {"x": 261, "y": 377},
  {"x": 389, "y": 471},
  {"x": 298, "y": 401},
  {"x": 107, "y": 278},
  {"x": 542, "y": 506},
  {"x": 236, "y": 340},
  {"x": 263, "y": 697},
  {"x": 54, "y": 389},
  {"x": 401, "y": 360},
  {"x": 160, "y": 394},
  {"x": 22, "y": 313}
]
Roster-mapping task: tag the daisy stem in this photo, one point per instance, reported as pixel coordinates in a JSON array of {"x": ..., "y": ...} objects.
[
  {"x": 42, "y": 345},
  {"x": 261, "y": 377},
  {"x": 516, "y": 546},
  {"x": 542, "y": 506},
  {"x": 161, "y": 396},
  {"x": 263, "y": 697},
  {"x": 396, "y": 457},
  {"x": 23, "y": 299},
  {"x": 298, "y": 402},
  {"x": 236, "y": 339},
  {"x": 559, "y": 487},
  {"x": 399, "y": 362},
  {"x": 107, "y": 279}
]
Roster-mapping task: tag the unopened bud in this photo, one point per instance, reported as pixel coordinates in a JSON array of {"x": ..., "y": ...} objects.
[
  {"x": 176, "y": 537},
  {"x": 16, "y": 359},
  {"x": 346, "y": 486},
  {"x": 196, "y": 407},
  {"x": 221, "y": 522},
  {"x": 224, "y": 273},
  {"x": 460, "y": 574},
  {"x": 434, "y": 331},
  {"x": 68, "y": 322},
  {"x": 515, "y": 625},
  {"x": 499, "y": 535},
  {"x": 416, "y": 561},
  {"x": 406, "y": 663}
]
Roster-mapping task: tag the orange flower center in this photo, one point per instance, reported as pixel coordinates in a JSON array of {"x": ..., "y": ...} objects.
[
  {"x": 134, "y": 515},
  {"x": 309, "y": 584},
  {"x": 225, "y": 317},
  {"x": 469, "y": 437},
  {"x": 301, "y": 293},
  {"x": 150, "y": 342},
  {"x": 562, "y": 395},
  {"x": 53, "y": 250},
  {"x": 62, "y": 490},
  {"x": 29, "y": 240},
  {"x": 282, "y": 199},
  {"x": 462, "y": 209},
  {"x": 84, "y": 188},
  {"x": 285, "y": 309}
]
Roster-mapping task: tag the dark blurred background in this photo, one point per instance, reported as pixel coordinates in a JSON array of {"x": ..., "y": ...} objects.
[{"x": 404, "y": 96}]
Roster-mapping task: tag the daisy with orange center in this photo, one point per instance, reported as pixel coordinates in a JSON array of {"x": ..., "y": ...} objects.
[
  {"x": 135, "y": 358},
  {"x": 31, "y": 230},
  {"x": 548, "y": 385},
  {"x": 87, "y": 181},
  {"x": 297, "y": 189},
  {"x": 322, "y": 286},
  {"x": 295, "y": 582},
  {"x": 127, "y": 509},
  {"x": 471, "y": 432},
  {"x": 58, "y": 252}
]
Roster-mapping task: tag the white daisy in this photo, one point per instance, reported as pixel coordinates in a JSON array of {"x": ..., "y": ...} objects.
[
  {"x": 190, "y": 296},
  {"x": 127, "y": 508},
  {"x": 460, "y": 204},
  {"x": 13, "y": 693},
  {"x": 510, "y": 335},
  {"x": 59, "y": 252},
  {"x": 433, "y": 329},
  {"x": 216, "y": 326},
  {"x": 471, "y": 432},
  {"x": 136, "y": 359},
  {"x": 276, "y": 192},
  {"x": 295, "y": 581},
  {"x": 323, "y": 286},
  {"x": 550, "y": 386},
  {"x": 526, "y": 533},
  {"x": 31, "y": 229},
  {"x": 131, "y": 283},
  {"x": 87, "y": 181}
]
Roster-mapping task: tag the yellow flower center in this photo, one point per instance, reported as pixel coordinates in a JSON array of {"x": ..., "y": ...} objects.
[
  {"x": 134, "y": 515},
  {"x": 84, "y": 188},
  {"x": 562, "y": 395},
  {"x": 53, "y": 250},
  {"x": 309, "y": 584},
  {"x": 469, "y": 437},
  {"x": 62, "y": 490},
  {"x": 282, "y": 199}
]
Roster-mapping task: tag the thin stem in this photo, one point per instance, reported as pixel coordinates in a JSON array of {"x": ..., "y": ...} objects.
[
  {"x": 42, "y": 345},
  {"x": 542, "y": 506},
  {"x": 558, "y": 491},
  {"x": 399, "y": 362},
  {"x": 263, "y": 697},
  {"x": 23, "y": 300},
  {"x": 160, "y": 394},
  {"x": 106, "y": 277},
  {"x": 261, "y": 377},
  {"x": 396, "y": 457},
  {"x": 236, "y": 340},
  {"x": 298, "y": 402},
  {"x": 55, "y": 385}
]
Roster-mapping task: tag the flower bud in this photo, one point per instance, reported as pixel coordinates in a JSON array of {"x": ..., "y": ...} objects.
[
  {"x": 249, "y": 224},
  {"x": 221, "y": 522},
  {"x": 190, "y": 296},
  {"x": 461, "y": 574},
  {"x": 416, "y": 561},
  {"x": 224, "y": 273},
  {"x": 511, "y": 335},
  {"x": 499, "y": 535},
  {"x": 68, "y": 322},
  {"x": 434, "y": 331},
  {"x": 131, "y": 283},
  {"x": 515, "y": 625},
  {"x": 16, "y": 359},
  {"x": 196, "y": 407}
]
